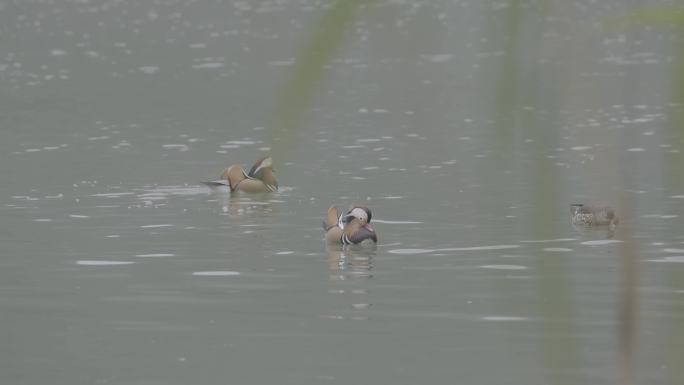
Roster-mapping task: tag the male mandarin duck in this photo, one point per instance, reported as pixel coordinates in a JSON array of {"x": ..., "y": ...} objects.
[
  {"x": 352, "y": 228},
  {"x": 587, "y": 215},
  {"x": 260, "y": 177}
]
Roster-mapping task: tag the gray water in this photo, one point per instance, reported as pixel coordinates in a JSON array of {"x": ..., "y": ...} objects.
[{"x": 468, "y": 128}]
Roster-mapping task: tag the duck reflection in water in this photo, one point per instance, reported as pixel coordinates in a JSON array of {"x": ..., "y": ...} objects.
[
  {"x": 243, "y": 206},
  {"x": 350, "y": 261},
  {"x": 350, "y": 275}
]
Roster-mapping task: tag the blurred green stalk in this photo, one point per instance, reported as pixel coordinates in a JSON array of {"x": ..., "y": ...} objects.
[{"x": 296, "y": 96}]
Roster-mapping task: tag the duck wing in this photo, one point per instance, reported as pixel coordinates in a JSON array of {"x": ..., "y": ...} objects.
[
  {"x": 362, "y": 234},
  {"x": 332, "y": 218}
]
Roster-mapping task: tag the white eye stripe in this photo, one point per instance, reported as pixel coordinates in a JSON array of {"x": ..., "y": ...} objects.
[{"x": 359, "y": 213}]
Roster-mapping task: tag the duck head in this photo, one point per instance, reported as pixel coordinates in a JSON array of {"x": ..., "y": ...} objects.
[
  {"x": 263, "y": 164},
  {"x": 357, "y": 228},
  {"x": 263, "y": 170},
  {"x": 361, "y": 214}
]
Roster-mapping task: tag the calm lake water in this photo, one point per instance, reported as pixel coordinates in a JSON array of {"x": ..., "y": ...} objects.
[{"x": 468, "y": 128}]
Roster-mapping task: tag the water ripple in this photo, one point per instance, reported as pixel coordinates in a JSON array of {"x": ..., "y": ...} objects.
[
  {"x": 673, "y": 259},
  {"x": 504, "y": 318},
  {"x": 397, "y": 222},
  {"x": 472, "y": 248},
  {"x": 549, "y": 240},
  {"x": 220, "y": 273},
  {"x": 600, "y": 242},
  {"x": 103, "y": 263},
  {"x": 504, "y": 267}
]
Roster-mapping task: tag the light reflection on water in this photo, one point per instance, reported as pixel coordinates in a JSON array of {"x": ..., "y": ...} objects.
[
  {"x": 348, "y": 265},
  {"x": 351, "y": 262}
]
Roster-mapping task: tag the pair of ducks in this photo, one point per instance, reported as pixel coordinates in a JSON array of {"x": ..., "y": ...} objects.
[{"x": 350, "y": 228}]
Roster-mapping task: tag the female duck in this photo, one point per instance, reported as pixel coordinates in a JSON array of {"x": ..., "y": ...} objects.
[
  {"x": 586, "y": 215},
  {"x": 260, "y": 177}
]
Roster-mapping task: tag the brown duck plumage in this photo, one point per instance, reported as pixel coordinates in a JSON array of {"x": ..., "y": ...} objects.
[
  {"x": 260, "y": 177},
  {"x": 351, "y": 228},
  {"x": 587, "y": 215}
]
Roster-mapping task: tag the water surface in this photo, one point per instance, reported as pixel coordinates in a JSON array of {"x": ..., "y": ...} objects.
[{"x": 468, "y": 129}]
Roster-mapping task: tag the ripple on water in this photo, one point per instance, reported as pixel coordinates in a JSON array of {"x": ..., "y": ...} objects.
[
  {"x": 241, "y": 142},
  {"x": 397, "y": 222},
  {"x": 179, "y": 147},
  {"x": 600, "y": 242},
  {"x": 157, "y": 255},
  {"x": 558, "y": 249},
  {"x": 504, "y": 318},
  {"x": 472, "y": 248},
  {"x": 218, "y": 273},
  {"x": 549, "y": 240},
  {"x": 411, "y": 251},
  {"x": 156, "y": 226},
  {"x": 203, "y": 66},
  {"x": 103, "y": 263},
  {"x": 250, "y": 203},
  {"x": 287, "y": 62},
  {"x": 673, "y": 250},
  {"x": 504, "y": 267},
  {"x": 660, "y": 216},
  {"x": 478, "y": 248},
  {"x": 673, "y": 259},
  {"x": 174, "y": 190},
  {"x": 148, "y": 69},
  {"x": 113, "y": 195},
  {"x": 438, "y": 58}
]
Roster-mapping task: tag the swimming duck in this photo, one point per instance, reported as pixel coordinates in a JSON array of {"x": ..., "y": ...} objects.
[
  {"x": 351, "y": 228},
  {"x": 587, "y": 215},
  {"x": 260, "y": 177}
]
